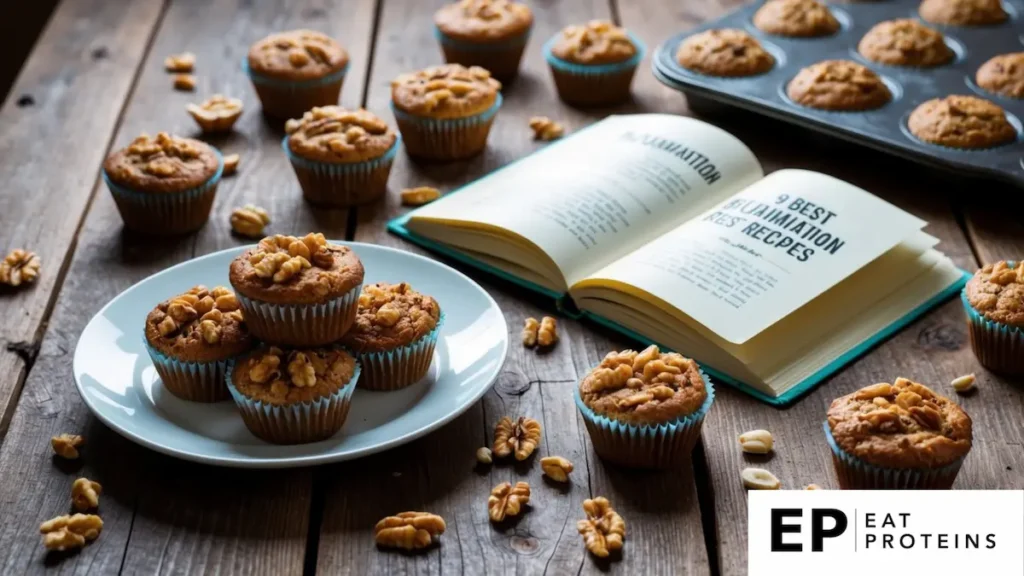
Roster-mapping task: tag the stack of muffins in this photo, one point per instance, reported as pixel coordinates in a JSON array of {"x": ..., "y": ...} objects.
[{"x": 293, "y": 341}]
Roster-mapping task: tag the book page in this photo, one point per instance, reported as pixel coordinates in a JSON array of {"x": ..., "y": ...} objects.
[
  {"x": 753, "y": 259},
  {"x": 601, "y": 193}
]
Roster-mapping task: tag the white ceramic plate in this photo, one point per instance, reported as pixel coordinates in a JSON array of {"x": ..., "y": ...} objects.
[{"x": 117, "y": 381}]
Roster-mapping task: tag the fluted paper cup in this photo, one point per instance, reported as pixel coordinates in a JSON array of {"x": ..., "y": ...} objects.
[
  {"x": 593, "y": 84},
  {"x": 998, "y": 347},
  {"x": 300, "y": 325},
  {"x": 338, "y": 185},
  {"x": 445, "y": 139},
  {"x": 286, "y": 99},
  {"x": 192, "y": 381},
  {"x": 396, "y": 369}
]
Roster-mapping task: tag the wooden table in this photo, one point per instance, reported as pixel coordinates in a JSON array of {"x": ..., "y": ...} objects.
[{"x": 95, "y": 80}]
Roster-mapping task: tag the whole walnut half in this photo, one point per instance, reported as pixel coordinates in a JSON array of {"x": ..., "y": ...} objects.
[
  {"x": 507, "y": 500},
  {"x": 604, "y": 530},
  {"x": 520, "y": 437},
  {"x": 409, "y": 530},
  {"x": 68, "y": 532}
]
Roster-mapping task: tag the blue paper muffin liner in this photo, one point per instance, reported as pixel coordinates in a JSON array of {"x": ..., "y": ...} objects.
[
  {"x": 446, "y": 138},
  {"x": 657, "y": 446},
  {"x": 501, "y": 58},
  {"x": 341, "y": 185},
  {"x": 166, "y": 212},
  {"x": 285, "y": 99},
  {"x": 297, "y": 423},
  {"x": 593, "y": 84},
  {"x": 594, "y": 69},
  {"x": 300, "y": 325},
  {"x": 401, "y": 367},
  {"x": 192, "y": 381},
  {"x": 510, "y": 43},
  {"x": 999, "y": 347},
  {"x": 295, "y": 85},
  {"x": 856, "y": 474}
]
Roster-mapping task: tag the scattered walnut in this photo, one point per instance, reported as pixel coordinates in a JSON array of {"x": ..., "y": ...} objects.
[
  {"x": 67, "y": 532},
  {"x": 483, "y": 455},
  {"x": 301, "y": 370},
  {"x": 66, "y": 445},
  {"x": 520, "y": 437},
  {"x": 231, "y": 164},
  {"x": 756, "y": 442},
  {"x": 217, "y": 114},
  {"x": 420, "y": 195},
  {"x": 249, "y": 221},
  {"x": 556, "y": 468},
  {"x": 547, "y": 334},
  {"x": 759, "y": 479},
  {"x": 545, "y": 128},
  {"x": 507, "y": 500},
  {"x": 179, "y": 63},
  {"x": 85, "y": 494},
  {"x": 184, "y": 82},
  {"x": 19, "y": 267},
  {"x": 530, "y": 328},
  {"x": 604, "y": 530},
  {"x": 409, "y": 530},
  {"x": 963, "y": 383}
]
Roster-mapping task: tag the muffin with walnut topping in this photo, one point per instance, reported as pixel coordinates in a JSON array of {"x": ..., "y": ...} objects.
[
  {"x": 296, "y": 70},
  {"x": 341, "y": 157},
  {"x": 164, "y": 185},
  {"x": 491, "y": 34},
  {"x": 593, "y": 64},
  {"x": 394, "y": 335},
  {"x": 298, "y": 291},
  {"x": 294, "y": 396},
  {"x": 994, "y": 301},
  {"x": 191, "y": 337},
  {"x": 897, "y": 436},
  {"x": 644, "y": 409}
]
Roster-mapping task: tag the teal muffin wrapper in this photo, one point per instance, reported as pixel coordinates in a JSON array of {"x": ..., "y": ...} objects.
[
  {"x": 593, "y": 84},
  {"x": 658, "y": 446},
  {"x": 284, "y": 99},
  {"x": 856, "y": 474},
  {"x": 594, "y": 69},
  {"x": 166, "y": 212},
  {"x": 401, "y": 367},
  {"x": 999, "y": 347},
  {"x": 295, "y": 85},
  {"x": 192, "y": 381},
  {"x": 446, "y": 138},
  {"x": 297, "y": 423},
  {"x": 341, "y": 185},
  {"x": 508, "y": 44},
  {"x": 300, "y": 325}
]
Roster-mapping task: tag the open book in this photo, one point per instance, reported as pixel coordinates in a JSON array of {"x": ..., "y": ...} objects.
[{"x": 667, "y": 229}]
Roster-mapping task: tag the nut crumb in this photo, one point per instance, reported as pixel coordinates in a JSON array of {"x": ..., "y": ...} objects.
[
  {"x": 556, "y": 468},
  {"x": 547, "y": 334},
  {"x": 545, "y": 128},
  {"x": 409, "y": 530},
  {"x": 483, "y": 455},
  {"x": 759, "y": 479},
  {"x": 249, "y": 221},
  {"x": 420, "y": 195},
  {"x": 507, "y": 500},
  {"x": 231, "y": 164},
  {"x": 604, "y": 529},
  {"x": 756, "y": 442},
  {"x": 963, "y": 383},
  {"x": 180, "y": 63},
  {"x": 184, "y": 82},
  {"x": 68, "y": 532},
  {"x": 520, "y": 437},
  {"x": 530, "y": 329},
  {"x": 67, "y": 445},
  {"x": 19, "y": 267},
  {"x": 85, "y": 494},
  {"x": 218, "y": 113}
]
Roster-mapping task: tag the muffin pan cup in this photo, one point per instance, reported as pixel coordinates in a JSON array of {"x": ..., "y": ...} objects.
[
  {"x": 297, "y": 423},
  {"x": 656, "y": 446},
  {"x": 998, "y": 347},
  {"x": 856, "y": 474},
  {"x": 192, "y": 381},
  {"x": 885, "y": 128},
  {"x": 593, "y": 84},
  {"x": 300, "y": 325},
  {"x": 501, "y": 59},
  {"x": 342, "y": 185},
  {"x": 285, "y": 99},
  {"x": 445, "y": 139},
  {"x": 401, "y": 367}
]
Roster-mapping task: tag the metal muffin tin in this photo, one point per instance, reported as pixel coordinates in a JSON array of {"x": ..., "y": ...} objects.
[{"x": 884, "y": 128}]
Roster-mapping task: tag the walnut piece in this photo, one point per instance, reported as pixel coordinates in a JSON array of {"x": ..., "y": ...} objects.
[
  {"x": 19, "y": 267},
  {"x": 759, "y": 479},
  {"x": 231, "y": 164},
  {"x": 545, "y": 128},
  {"x": 66, "y": 445},
  {"x": 520, "y": 437},
  {"x": 604, "y": 530},
  {"x": 300, "y": 368},
  {"x": 756, "y": 442},
  {"x": 218, "y": 113},
  {"x": 267, "y": 369},
  {"x": 184, "y": 82},
  {"x": 180, "y": 63},
  {"x": 507, "y": 500},
  {"x": 483, "y": 455},
  {"x": 281, "y": 257},
  {"x": 85, "y": 494},
  {"x": 249, "y": 221},
  {"x": 420, "y": 195},
  {"x": 409, "y": 530},
  {"x": 530, "y": 329},
  {"x": 200, "y": 312},
  {"x": 556, "y": 468},
  {"x": 547, "y": 334},
  {"x": 68, "y": 532}
]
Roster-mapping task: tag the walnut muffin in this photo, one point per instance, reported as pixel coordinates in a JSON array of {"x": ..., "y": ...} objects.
[
  {"x": 724, "y": 52},
  {"x": 296, "y": 70},
  {"x": 190, "y": 338},
  {"x": 294, "y": 396},
  {"x": 900, "y": 435},
  {"x": 994, "y": 301},
  {"x": 341, "y": 157},
  {"x": 394, "y": 335},
  {"x": 298, "y": 291},
  {"x": 593, "y": 64},
  {"x": 961, "y": 122},
  {"x": 164, "y": 184},
  {"x": 838, "y": 85},
  {"x": 487, "y": 33},
  {"x": 798, "y": 18},
  {"x": 644, "y": 409},
  {"x": 1003, "y": 75},
  {"x": 963, "y": 12},
  {"x": 905, "y": 42},
  {"x": 445, "y": 112}
]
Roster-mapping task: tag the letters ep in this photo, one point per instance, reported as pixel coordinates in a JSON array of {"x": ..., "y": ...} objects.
[{"x": 780, "y": 527}]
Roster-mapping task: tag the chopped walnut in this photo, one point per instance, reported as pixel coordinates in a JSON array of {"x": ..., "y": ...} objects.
[
  {"x": 604, "y": 529},
  {"x": 420, "y": 195},
  {"x": 545, "y": 128},
  {"x": 339, "y": 129},
  {"x": 68, "y": 532},
  {"x": 409, "y": 530},
  {"x": 556, "y": 468},
  {"x": 199, "y": 312},
  {"x": 595, "y": 39},
  {"x": 184, "y": 82},
  {"x": 180, "y": 63},
  {"x": 19, "y": 267},
  {"x": 756, "y": 442},
  {"x": 218, "y": 113},
  {"x": 630, "y": 379},
  {"x": 449, "y": 83},
  {"x": 507, "y": 500},
  {"x": 520, "y": 437},
  {"x": 530, "y": 329},
  {"x": 300, "y": 368},
  {"x": 231, "y": 164},
  {"x": 67, "y": 445},
  {"x": 85, "y": 494},
  {"x": 249, "y": 221},
  {"x": 281, "y": 257},
  {"x": 901, "y": 407},
  {"x": 266, "y": 370},
  {"x": 547, "y": 334}
]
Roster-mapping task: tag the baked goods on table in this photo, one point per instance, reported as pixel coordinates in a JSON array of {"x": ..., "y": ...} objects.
[
  {"x": 593, "y": 64},
  {"x": 905, "y": 42},
  {"x": 296, "y": 70},
  {"x": 963, "y": 12},
  {"x": 724, "y": 52},
  {"x": 840, "y": 85},
  {"x": 796, "y": 18},
  {"x": 994, "y": 302},
  {"x": 1003, "y": 75},
  {"x": 491, "y": 34},
  {"x": 961, "y": 122}
]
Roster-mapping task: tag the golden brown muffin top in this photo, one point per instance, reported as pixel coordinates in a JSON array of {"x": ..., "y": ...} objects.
[
  {"x": 644, "y": 387},
  {"x": 724, "y": 52},
  {"x": 900, "y": 425},
  {"x": 162, "y": 164},
  {"x": 800, "y": 18},
  {"x": 997, "y": 293},
  {"x": 484, "y": 20},
  {"x": 279, "y": 377},
  {"x": 905, "y": 42},
  {"x": 391, "y": 316},
  {"x": 336, "y": 134},
  {"x": 200, "y": 325},
  {"x": 596, "y": 42},
  {"x": 448, "y": 91},
  {"x": 1003, "y": 74},
  {"x": 838, "y": 85},
  {"x": 289, "y": 270},
  {"x": 297, "y": 55},
  {"x": 961, "y": 122},
  {"x": 962, "y": 12}
]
